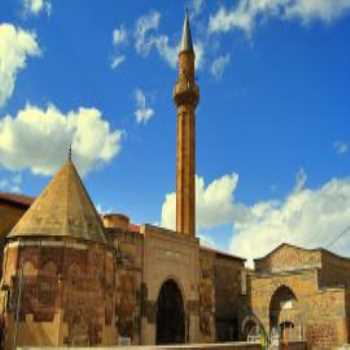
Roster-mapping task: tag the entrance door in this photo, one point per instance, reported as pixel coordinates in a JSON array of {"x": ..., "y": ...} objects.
[
  {"x": 170, "y": 315},
  {"x": 287, "y": 328}
]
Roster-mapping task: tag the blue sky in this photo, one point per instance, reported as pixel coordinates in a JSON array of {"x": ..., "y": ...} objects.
[{"x": 272, "y": 125}]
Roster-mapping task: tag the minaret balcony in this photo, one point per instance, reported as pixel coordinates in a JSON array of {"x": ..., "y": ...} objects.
[{"x": 186, "y": 92}]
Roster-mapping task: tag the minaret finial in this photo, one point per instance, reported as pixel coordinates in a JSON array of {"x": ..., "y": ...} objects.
[
  {"x": 70, "y": 153},
  {"x": 186, "y": 41}
]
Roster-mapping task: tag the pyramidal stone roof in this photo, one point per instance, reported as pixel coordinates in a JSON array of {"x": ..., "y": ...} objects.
[
  {"x": 64, "y": 209},
  {"x": 186, "y": 41}
]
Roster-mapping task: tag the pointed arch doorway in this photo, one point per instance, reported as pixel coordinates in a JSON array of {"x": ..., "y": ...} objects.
[
  {"x": 285, "y": 317},
  {"x": 170, "y": 315}
]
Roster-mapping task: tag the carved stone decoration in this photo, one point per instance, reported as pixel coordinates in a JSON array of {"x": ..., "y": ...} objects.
[
  {"x": 206, "y": 304},
  {"x": 47, "y": 290},
  {"x": 205, "y": 323},
  {"x": 126, "y": 305},
  {"x": 78, "y": 329}
]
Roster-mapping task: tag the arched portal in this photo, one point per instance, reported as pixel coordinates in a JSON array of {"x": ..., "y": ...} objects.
[
  {"x": 284, "y": 314},
  {"x": 250, "y": 330},
  {"x": 170, "y": 315}
]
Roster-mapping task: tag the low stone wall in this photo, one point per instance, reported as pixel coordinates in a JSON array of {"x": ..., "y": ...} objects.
[
  {"x": 298, "y": 345},
  {"x": 215, "y": 346}
]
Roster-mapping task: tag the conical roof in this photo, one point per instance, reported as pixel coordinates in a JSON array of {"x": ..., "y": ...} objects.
[
  {"x": 186, "y": 41},
  {"x": 64, "y": 209}
]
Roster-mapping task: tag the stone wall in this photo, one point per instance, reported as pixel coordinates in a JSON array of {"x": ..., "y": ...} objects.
[
  {"x": 67, "y": 293},
  {"x": 294, "y": 346},
  {"x": 129, "y": 291},
  {"x": 335, "y": 270},
  {"x": 9, "y": 215},
  {"x": 207, "y": 296},
  {"x": 170, "y": 256},
  {"x": 229, "y": 298},
  {"x": 288, "y": 258},
  {"x": 319, "y": 314},
  {"x": 215, "y": 346}
]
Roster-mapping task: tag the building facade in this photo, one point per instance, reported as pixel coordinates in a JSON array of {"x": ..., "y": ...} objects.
[
  {"x": 304, "y": 293},
  {"x": 72, "y": 277}
]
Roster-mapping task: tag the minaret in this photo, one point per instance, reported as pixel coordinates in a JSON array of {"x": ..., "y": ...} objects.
[{"x": 186, "y": 97}]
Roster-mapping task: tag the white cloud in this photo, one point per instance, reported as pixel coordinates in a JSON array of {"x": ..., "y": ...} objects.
[
  {"x": 324, "y": 10},
  {"x": 143, "y": 113},
  {"x": 215, "y": 203},
  {"x": 206, "y": 241},
  {"x": 102, "y": 210},
  {"x": 219, "y": 64},
  {"x": 306, "y": 217},
  {"x": 117, "y": 61},
  {"x": 247, "y": 12},
  {"x": 148, "y": 38},
  {"x": 11, "y": 184},
  {"x": 16, "y": 45},
  {"x": 300, "y": 180},
  {"x": 120, "y": 38},
  {"x": 35, "y": 7},
  {"x": 38, "y": 139},
  {"x": 145, "y": 24},
  {"x": 197, "y": 6},
  {"x": 309, "y": 218},
  {"x": 341, "y": 147},
  {"x": 225, "y": 20}
]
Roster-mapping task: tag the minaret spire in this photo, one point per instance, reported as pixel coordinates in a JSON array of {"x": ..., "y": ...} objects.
[
  {"x": 186, "y": 41},
  {"x": 186, "y": 97}
]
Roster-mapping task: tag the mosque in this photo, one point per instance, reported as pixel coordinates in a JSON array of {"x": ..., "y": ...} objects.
[{"x": 72, "y": 277}]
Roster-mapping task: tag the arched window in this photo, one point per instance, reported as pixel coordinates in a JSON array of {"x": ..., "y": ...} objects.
[
  {"x": 29, "y": 269},
  {"x": 49, "y": 269},
  {"x": 47, "y": 284},
  {"x": 74, "y": 273}
]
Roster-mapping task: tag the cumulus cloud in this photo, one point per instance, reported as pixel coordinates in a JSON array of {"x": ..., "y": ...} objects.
[
  {"x": 246, "y": 13},
  {"x": 306, "y": 217},
  {"x": 218, "y": 66},
  {"x": 119, "y": 38},
  {"x": 38, "y": 139},
  {"x": 16, "y": 45},
  {"x": 215, "y": 203},
  {"x": 309, "y": 218},
  {"x": 143, "y": 112},
  {"x": 341, "y": 147},
  {"x": 147, "y": 38},
  {"x": 35, "y": 7}
]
